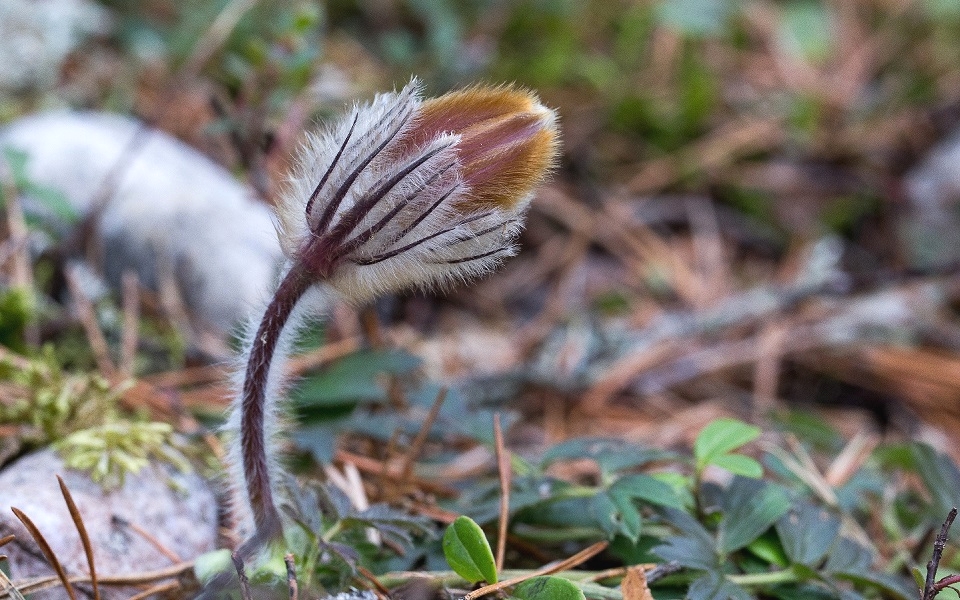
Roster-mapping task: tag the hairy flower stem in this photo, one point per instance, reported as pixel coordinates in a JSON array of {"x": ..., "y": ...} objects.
[{"x": 252, "y": 431}]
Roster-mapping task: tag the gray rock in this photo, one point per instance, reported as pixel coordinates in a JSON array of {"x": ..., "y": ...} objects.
[
  {"x": 931, "y": 229},
  {"x": 177, "y": 509},
  {"x": 37, "y": 35},
  {"x": 172, "y": 210}
]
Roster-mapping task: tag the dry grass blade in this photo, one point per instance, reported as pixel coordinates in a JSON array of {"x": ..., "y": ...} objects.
[
  {"x": 634, "y": 585},
  {"x": 88, "y": 319},
  {"x": 157, "y": 589},
  {"x": 8, "y": 590},
  {"x": 7, "y": 539},
  {"x": 131, "y": 323},
  {"x": 149, "y": 538},
  {"x": 382, "y": 589},
  {"x": 417, "y": 446},
  {"x": 564, "y": 565},
  {"x": 503, "y": 467},
  {"x": 82, "y": 532},
  {"x": 37, "y": 584},
  {"x": 47, "y": 551}
]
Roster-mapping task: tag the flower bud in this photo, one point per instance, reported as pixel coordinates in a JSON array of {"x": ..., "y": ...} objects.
[
  {"x": 399, "y": 193},
  {"x": 410, "y": 193}
]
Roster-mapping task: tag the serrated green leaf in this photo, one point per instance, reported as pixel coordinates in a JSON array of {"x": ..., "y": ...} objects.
[
  {"x": 750, "y": 507},
  {"x": 694, "y": 548},
  {"x": 354, "y": 378},
  {"x": 893, "y": 587},
  {"x": 738, "y": 464},
  {"x": 714, "y": 586},
  {"x": 807, "y": 533},
  {"x": 720, "y": 437},
  {"x": 468, "y": 552},
  {"x": 628, "y": 517},
  {"x": 648, "y": 489},
  {"x": 611, "y": 455},
  {"x": 548, "y": 587}
]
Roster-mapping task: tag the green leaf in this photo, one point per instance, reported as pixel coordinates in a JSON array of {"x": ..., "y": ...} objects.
[
  {"x": 52, "y": 199},
  {"x": 714, "y": 586},
  {"x": 893, "y": 587},
  {"x": 209, "y": 564},
  {"x": 721, "y": 437},
  {"x": 769, "y": 548},
  {"x": 738, "y": 464},
  {"x": 807, "y": 533},
  {"x": 468, "y": 552},
  {"x": 548, "y": 588},
  {"x": 696, "y": 17},
  {"x": 354, "y": 378},
  {"x": 627, "y": 517},
  {"x": 647, "y": 488},
  {"x": 611, "y": 455},
  {"x": 750, "y": 507},
  {"x": 693, "y": 548},
  {"x": 918, "y": 578},
  {"x": 806, "y": 30}
]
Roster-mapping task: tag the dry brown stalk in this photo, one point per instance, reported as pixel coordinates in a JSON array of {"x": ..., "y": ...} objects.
[
  {"x": 47, "y": 551},
  {"x": 157, "y": 589},
  {"x": 150, "y": 539},
  {"x": 88, "y": 319},
  {"x": 82, "y": 532},
  {"x": 416, "y": 447},
  {"x": 504, "y": 469},
  {"x": 131, "y": 324}
]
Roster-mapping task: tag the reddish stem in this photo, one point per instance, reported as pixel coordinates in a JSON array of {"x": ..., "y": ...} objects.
[{"x": 252, "y": 432}]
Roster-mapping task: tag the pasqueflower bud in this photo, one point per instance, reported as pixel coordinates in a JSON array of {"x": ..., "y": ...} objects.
[{"x": 400, "y": 193}]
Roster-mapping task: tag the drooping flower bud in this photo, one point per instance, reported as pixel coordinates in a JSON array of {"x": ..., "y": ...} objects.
[
  {"x": 405, "y": 192},
  {"x": 400, "y": 193}
]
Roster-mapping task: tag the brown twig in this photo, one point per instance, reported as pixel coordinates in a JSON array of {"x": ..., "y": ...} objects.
[
  {"x": 131, "y": 323},
  {"x": 292, "y": 587},
  {"x": 369, "y": 576},
  {"x": 7, "y": 539},
  {"x": 47, "y": 551},
  {"x": 157, "y": 589},
  {"x": 88, "y": 319},
  {"x": 126, "y": 579},
  {"x": 82, "y": 532},
  {"x": 242, "y": 575},
  {"x": 150, "y": 539},
  {"x": 503, "y": 467},
  {"x": 577, "y": 559},
  {"x": 931, "y": 588},
  {"x": 417, "y": 445}
]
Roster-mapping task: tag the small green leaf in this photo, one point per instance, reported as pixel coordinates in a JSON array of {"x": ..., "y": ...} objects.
[
  {"x": 738, "y": 464},
  {"x": 468, "y": 551},
  {"x": 750, "y": 507},
  {"x": 548, "y": 588},
  {"x": 918, "y": 578},
  {"x": 721, "y": 437},
  {"x": 807, "y": 533}
]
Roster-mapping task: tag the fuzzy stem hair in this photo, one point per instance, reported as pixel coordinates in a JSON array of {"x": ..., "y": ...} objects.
[{"x": 256, "y": 403}]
